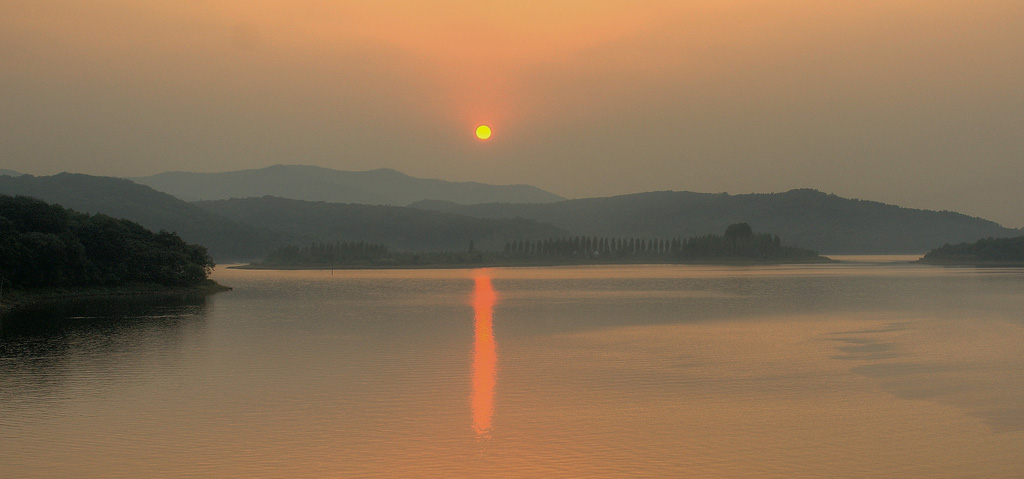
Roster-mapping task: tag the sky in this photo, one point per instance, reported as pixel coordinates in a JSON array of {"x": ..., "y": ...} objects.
[{"x": 915, "y": 103}]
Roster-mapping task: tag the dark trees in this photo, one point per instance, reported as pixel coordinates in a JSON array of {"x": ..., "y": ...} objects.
[
  {"x": 738, "y": 231},
  {"x": 44, "y": 245},
  {"x": 987, "y": 250},
  {"x": 739, "y": 241}
]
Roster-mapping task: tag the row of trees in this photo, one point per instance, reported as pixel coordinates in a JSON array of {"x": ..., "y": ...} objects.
[
  {"x": 45, "y": 245},
  {"x": 739, "y": 241}
]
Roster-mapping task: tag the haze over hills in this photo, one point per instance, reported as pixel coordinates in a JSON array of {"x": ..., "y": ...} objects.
[
  {"x": 313, "y": 183},
  {"x": 120, "y": 198},
  {"x": 4, "y": 172},
  {"x": 804, "y": 217},
  {"x": 263, "y": 224},
  {"x": 246, "y": 229},
  {"x": 396, "y": 226}
]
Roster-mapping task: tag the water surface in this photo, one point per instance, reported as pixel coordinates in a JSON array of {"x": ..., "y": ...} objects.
[{"x": 862, "y": 369}]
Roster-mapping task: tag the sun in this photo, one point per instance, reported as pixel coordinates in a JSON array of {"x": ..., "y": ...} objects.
[{"x": 483, "y": 132}]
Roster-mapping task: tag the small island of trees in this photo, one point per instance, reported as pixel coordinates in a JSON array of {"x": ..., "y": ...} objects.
[
  {"x": 46, "y": 248},
  {"x": 739, "y": 244},
  {"x": 987, "y": 251}
]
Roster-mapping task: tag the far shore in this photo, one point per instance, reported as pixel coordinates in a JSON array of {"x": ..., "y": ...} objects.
[
  {"x": 531, "y": 264},
  {"x": 966, "y": 262}
]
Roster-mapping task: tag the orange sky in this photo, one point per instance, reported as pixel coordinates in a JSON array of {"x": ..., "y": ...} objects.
[{"x": 884, "y": 100}]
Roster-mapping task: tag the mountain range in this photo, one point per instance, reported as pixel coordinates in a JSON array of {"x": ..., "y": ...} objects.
[
  {"x": 403, "y": 228},
  {"x": 244, "y": 229},
  {"x": 313, "y": 183},
  {"x": 802, "y": 217},
  {"x": 247, "y": 229}
]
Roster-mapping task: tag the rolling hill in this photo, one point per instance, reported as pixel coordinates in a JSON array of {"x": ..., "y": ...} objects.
[
  {"x": 803, "y": 217},
  {"x": 225, "y": 239},
  {"x": 243, "y": 230},
  {"x": 246, "y": 229},
  {"x": 313, "y": 183},
  {"x": 400, "y": 227}
]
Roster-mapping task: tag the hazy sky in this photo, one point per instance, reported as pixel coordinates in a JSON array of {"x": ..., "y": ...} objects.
[{"x": 917, "y": 103}]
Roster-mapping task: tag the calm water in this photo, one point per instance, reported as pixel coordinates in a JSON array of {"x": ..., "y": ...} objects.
[{"x": 853, "y": 370}]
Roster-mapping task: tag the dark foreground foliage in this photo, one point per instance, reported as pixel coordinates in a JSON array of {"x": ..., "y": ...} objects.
[
  {"x": 987, "y": 250},
  {"x": 739, "y": 243},
  {"x": 46, "y": 246}
]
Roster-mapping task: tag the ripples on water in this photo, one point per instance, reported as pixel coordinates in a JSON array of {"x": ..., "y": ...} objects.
[{"x": 854, "y": 370}]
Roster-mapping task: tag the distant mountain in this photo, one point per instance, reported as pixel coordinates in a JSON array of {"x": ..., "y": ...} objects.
[
  {"x": 4, "y": 172},
  {"x": 313, "y": 183},
  {"x": 399, "y": 227},
  {"x": 120, "y": 198},
  {"x": 803, "y": 217},
  {"x": 246, "y": 229}
]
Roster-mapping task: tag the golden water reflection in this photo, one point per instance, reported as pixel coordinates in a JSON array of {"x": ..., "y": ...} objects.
[{"x": 485, "y": 356}]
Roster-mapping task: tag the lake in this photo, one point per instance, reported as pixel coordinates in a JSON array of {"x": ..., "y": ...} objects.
[{"x": 868, "y": 368}]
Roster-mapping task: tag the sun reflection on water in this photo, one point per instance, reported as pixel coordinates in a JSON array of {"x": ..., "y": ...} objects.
[{"x": 485, "y": 356}]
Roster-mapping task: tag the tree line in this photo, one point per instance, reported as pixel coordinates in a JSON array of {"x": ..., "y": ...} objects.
[
  {"x": 45, "y": 245},
  {"x": 738, "y": 241},
  {"x": 995, "y": 250}
]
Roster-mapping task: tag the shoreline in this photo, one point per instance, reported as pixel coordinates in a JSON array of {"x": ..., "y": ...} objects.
[
  {"x": 971, "y": 263},
  {"x": 21, "y": 299},
  {"x": 531, "y": 264}
]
